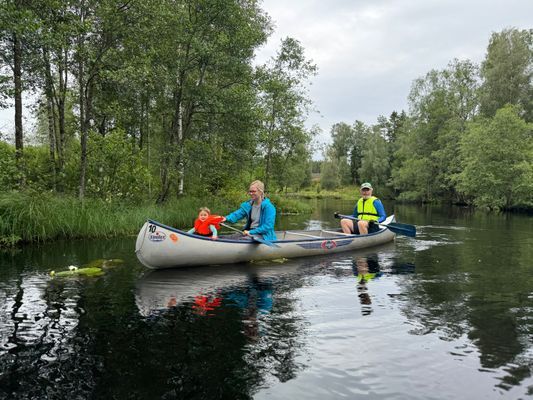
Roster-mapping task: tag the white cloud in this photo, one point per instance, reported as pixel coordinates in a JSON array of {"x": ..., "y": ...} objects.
[{"x": 368, "y": 53}]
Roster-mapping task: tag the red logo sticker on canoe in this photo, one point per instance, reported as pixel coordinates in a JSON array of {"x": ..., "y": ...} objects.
[
  {"x": 173, "y": 237},
  {"x": 328, "y": 244}
]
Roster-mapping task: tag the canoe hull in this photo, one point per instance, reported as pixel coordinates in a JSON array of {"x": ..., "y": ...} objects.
[{"x": 159, "y": 246}]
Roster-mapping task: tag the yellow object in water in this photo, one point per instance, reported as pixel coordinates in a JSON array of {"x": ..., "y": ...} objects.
[{"x": 92, "y": 271}]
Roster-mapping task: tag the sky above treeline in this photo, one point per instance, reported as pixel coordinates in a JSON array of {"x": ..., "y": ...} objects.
[{"x": 368, "y": 52}]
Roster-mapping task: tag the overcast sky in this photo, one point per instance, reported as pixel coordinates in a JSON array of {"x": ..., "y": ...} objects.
[{"x": 368, "y": 52}]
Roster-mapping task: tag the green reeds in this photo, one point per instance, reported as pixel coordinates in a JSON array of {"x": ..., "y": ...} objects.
[{"x": 36, "y": 217}]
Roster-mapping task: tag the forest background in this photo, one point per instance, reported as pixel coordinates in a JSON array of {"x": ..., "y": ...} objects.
[{"x": 153, "y": 108}]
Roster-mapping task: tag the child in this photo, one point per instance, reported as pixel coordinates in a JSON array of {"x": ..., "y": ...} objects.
[{"x": 206, "y": 224}]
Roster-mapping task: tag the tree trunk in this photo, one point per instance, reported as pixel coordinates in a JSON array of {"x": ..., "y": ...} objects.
[
  {"x": 166, "y": 163},
  {"x": 60, "y": 102},
  {"x": 51, "y": 117},
  {"x": 17, "y": 75},
  {"x": 83, "y": 128},
  {"x": 181, "y": 170}
]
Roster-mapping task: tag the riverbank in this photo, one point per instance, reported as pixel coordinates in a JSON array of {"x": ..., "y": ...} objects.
[
  {"x": 27, "y": 217},
  {"x": 345, "y": 193},
  {"x": 352, "y": 193}
]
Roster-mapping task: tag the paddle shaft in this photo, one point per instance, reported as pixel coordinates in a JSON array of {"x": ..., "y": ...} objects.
[
  {"x": 232, "y": 228},
  {"x": 253, "y": 237},
  {"x": 401, "y": 229}
]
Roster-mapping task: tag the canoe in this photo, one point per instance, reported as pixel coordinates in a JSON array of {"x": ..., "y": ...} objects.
[{"x": 159, "y": 246}]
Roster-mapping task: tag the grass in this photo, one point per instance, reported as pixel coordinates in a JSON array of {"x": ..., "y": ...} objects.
[
  {"x": 35, "y": 217},
  {"x": 344, "y": 193}
]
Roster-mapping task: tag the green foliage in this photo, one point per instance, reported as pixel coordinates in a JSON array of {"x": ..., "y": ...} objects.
[
  {"x": 9, "y": 172},
  {"x": 282, "y": 107},
  {"x": 414, "y": 180},
  {"x": 347, "y": 149},
  {"x": 507, "y": 71},
  {"x": 329, "y": 176},
  {"x": 116, "y": 168},
  {"x": 498, "y": 161},
  {"x": 375, "y": 163},
  {"x": 426, "y": 157},
  {"x": 285, "y": 205}
]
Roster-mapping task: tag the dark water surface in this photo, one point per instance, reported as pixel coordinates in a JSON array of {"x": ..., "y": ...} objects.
[{"x": 448, "y": 315}]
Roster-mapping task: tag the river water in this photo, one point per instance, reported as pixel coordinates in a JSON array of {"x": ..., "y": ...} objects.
[{"x": 445, "y": 315}]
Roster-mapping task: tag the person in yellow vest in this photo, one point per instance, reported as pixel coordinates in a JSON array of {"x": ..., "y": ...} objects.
[{"x": 369, "y": 212}]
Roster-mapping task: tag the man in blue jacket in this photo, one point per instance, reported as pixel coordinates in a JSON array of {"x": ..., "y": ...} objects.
[{"x": 259, "y": 212}]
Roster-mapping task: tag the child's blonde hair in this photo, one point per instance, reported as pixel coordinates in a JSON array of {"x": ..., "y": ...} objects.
[{"x": 207, "y": 210}]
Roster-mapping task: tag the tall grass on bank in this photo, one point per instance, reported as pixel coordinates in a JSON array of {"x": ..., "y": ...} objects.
[{"x": 37, "y": 217}]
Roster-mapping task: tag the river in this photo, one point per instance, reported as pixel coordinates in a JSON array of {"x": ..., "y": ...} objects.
[{"x": 445, "y": 315}]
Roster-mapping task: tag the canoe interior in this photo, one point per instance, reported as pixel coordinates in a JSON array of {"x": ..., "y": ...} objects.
[{"x": 305, "y": 235}]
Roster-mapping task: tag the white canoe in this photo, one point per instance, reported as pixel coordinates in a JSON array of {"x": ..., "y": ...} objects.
[{"x": 159, "y": 246}]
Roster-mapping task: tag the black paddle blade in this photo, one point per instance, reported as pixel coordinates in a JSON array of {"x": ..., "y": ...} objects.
[
  {"x": 263, "y": 241},
  {"x": 402, "y": 229}
]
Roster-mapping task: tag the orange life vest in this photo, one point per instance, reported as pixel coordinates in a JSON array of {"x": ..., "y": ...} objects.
[{"x": 202, "y": 227}]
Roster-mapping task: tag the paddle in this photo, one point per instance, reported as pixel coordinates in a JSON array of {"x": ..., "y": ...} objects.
[
  {"x": 255, "y": 238},
  {"x": 401, "y": 229}
]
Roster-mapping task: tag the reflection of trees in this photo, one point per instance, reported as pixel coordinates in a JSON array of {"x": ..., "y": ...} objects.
[
  {"x": 43, "y": 351},
  {"x": 37, "y": 339},
  {"x": 84, "y": 338},
  {"x": 478, "y": 292},
  {"x": 227, "y": 353}
]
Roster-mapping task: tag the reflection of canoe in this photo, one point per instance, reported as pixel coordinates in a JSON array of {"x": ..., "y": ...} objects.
[
  {"x": 164, "y": 289},
  {"x": 159, "y": 246}
]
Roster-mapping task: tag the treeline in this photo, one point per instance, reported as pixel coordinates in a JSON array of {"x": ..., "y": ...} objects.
[
  {"x": 467, "y": 137},
  {"x": 145, "y": 99}
]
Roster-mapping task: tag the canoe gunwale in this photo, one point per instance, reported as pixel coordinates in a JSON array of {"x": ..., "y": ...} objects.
[{"x": 222, "y": 239}]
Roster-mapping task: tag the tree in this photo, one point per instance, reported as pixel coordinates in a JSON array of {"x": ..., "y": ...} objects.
[
  {"x": 329, "y": 171},
  {"x": 348, "y": 144},
  {"x": 375, "y": 165},
  {"x": 283, "y": 103},
  {"x": 497, "y": 160},
  {"x": 17, "y": 25},
  {"x": 507, "y": 71},
  {"x": 441, "y": 104},
  {"x": 201, "y": 52}
]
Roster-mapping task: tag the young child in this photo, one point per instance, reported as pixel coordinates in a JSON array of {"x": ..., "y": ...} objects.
[{"x": 206, "y": 224}]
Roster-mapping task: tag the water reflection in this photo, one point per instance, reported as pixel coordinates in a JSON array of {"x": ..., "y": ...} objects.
[
  {"x": 248, "y": 308},
  {"x": 321, "y": 326},
  {"x": 366, "y": 269}
]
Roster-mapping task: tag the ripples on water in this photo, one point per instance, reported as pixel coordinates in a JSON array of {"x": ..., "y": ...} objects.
[{"x": 436, "y": 317}]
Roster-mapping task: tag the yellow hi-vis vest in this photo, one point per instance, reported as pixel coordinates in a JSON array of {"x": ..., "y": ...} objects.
[{"x": 366, "y": 209}]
